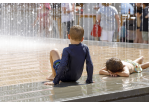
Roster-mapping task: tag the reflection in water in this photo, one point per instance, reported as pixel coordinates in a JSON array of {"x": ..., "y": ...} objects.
[
  {"x": 122, "y": 83},
  {"x": 67, "y": 91}
]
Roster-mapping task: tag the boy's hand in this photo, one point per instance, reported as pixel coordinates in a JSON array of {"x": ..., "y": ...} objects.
[
  {"x": 112, "y": 74},
  {"x": 49, "y": 83}
]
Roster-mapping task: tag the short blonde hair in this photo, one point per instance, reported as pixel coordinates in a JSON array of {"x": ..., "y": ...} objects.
[
  {"x": 106, "y": 4},
  {"x": 76, "y": 32}
]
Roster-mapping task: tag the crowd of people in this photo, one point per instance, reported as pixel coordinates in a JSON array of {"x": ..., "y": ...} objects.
[{"x": 107, "y": 17}]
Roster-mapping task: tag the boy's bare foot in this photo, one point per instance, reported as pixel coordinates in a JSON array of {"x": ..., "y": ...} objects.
[
  {"x": 49, "y": 83},
  {"x": 50, "y": 77}
]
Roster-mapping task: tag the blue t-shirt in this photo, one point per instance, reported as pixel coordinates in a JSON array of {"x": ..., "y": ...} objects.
[
  {"x": 125, "y": 8},
  {"x": 72, "y": 64}
]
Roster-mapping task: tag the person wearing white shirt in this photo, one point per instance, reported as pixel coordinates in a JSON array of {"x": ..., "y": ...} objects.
[
  {"x": 67, "y": 18},
  {"x": 107, "y": 15}
]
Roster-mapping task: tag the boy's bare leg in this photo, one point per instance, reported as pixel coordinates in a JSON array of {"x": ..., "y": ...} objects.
[
  {"x": 139, "y": 60},
  {"x": 145, "y": 65},
  {"x": 54, "y": 55}
]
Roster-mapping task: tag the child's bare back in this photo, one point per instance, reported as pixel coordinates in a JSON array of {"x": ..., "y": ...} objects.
[{"x": 129, "y": 66}]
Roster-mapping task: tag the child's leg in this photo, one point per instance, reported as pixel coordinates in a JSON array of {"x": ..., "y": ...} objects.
[
  {"x": 54, "y": 55},
  {"x": 140, "y": 40},
  {"x": 145, "y": 65},
  {"x": 139, "y": 60},
  {"x": 146, "y": 42}
]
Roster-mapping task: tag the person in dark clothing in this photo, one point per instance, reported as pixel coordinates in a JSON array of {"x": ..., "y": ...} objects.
[
  {"x": 70, "y": 67},
  {"x": 137, "y": 13},
  {"x": 144, "y": 23},
  {"x": 137, "y": 8}
]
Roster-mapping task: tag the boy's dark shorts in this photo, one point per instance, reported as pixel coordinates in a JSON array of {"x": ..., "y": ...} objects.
[{"x": 56, "y": 64}]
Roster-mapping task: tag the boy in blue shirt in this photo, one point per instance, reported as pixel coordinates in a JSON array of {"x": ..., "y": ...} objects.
[{"x": 70, "y": 67}]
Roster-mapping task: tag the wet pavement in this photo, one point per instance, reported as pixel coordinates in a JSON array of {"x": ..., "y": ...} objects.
[
  {"x": 105, "y": 88},
  {"x": 24, "y": 65}
]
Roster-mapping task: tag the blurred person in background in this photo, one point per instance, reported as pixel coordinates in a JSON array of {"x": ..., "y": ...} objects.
[
  {"x": 144, "y": 23},
  {"x": 125, "y": 7},
  {"x": 67, "y": 18},
  {"x": 43, "y": 17},
  {"x": 106, "y": 16},
  {"x": 137, "y": 13}
]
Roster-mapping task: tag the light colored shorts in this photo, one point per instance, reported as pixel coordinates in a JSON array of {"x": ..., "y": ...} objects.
[
  {"x": 145, "y": 35},
  {"x": 106, "y": 35},
  {"x": 137, "y": 67}
]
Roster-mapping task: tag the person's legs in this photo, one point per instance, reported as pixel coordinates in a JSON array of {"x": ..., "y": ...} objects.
[
  {"x": 110, "y": 35},
  {"x": 46, "y": 25},
  {"x": 140, "y": 40},
  {"x": 96, "y": 38},
  {"x": 146, "y": 42},
  {"x": 145, "y": 37},
  {"x": 40, "y": 29},
  {"x": 139, "y": 60},
  {"x": 54, "y": 55},
  {"x": 58, "y": 19},
  {"x": 64, "y": 30},
  {"x": 136, "y": 39},
  {"x": 69, "y": 25},
  {"x": 145, "y": 65},
  {"x": 49, "y": 28},
  {"x": 139, "y": 34},
  {"x": 47, "y": 31},
  {"x": 104, "y": 35}
]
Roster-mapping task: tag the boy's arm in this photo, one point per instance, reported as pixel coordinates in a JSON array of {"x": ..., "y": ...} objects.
[
  {"x": 61, "y": 67},
  {"x": 124, "y": 73},
  {"x": 89, "y": 67},
  {"x": 104, "y": 71}
]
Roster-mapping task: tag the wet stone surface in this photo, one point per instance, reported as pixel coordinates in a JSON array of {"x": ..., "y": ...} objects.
[
  {"x": 24, "y": 65},
  {"x": 105, "y": 88}
]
